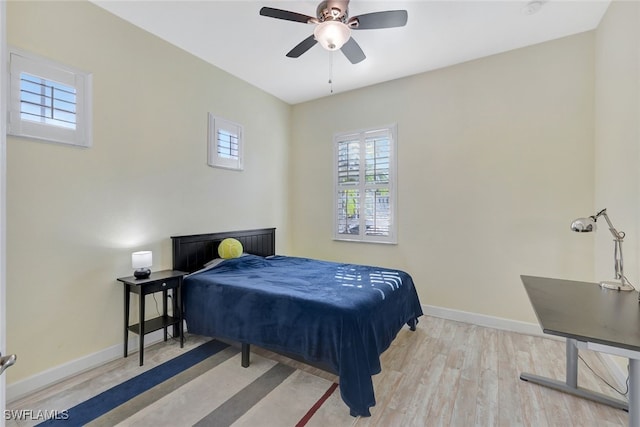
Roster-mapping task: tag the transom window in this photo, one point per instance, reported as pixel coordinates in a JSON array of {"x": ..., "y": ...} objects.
[
  {"x": 225, "y": 143},
  {"x": 228, "y": 144},
  {"x": 48, "y": 100},
  {"x": 365, "y": 182},
  {"x": 45, "y": 101}
]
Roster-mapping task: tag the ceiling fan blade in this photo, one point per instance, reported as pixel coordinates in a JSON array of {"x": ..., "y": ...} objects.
[
  {"x": 302, "y": 47},
  {"x": 352, "y": 51},
  {"x": 375, "y": 20},
  {"x": 286, "y": 15}
]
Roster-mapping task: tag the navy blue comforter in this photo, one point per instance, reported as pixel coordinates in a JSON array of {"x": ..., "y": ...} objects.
[{"x": 342, "y": 316}]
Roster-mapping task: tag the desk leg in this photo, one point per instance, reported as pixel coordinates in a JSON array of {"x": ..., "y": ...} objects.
[
  {"x": 572, "y": 363},
  {"x": 570, "y": 386},
  {"x": 634, "y": 392}
]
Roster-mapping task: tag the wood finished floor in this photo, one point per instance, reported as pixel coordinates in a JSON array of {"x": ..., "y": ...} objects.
[{"x": 445, "y": 373}]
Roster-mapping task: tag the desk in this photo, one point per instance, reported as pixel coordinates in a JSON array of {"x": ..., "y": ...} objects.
[
  {"x": 161, "y": 281},
  {"x": 594, "y": 318}
]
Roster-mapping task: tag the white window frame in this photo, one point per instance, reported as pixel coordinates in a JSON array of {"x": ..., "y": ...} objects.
[
  {"x": 214, "y": 159},
  {"x": 25, "y": 62},
  {"x": 361, "y": 135}
]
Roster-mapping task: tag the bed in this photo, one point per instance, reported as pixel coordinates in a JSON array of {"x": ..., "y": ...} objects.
[{"x": 340, "y": 317}]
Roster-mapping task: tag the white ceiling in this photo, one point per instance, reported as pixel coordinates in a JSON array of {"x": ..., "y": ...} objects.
[{"x": 233, "y": 36}]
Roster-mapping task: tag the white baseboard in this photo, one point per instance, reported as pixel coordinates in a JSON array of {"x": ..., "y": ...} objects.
[
  {"x": 486, "y": 321},
  {"x": 54, "y": 375},
  {"x": 614, "y": 368},
  {"x": 51, "y": 376}
]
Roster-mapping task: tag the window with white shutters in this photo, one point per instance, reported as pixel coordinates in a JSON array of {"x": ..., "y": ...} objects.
[
  {"x": 225, "y": 143},
  {"x": 45, "y": 101},
  {"x": 365, "y": 182},
  {"x": 48, "y": 100}
]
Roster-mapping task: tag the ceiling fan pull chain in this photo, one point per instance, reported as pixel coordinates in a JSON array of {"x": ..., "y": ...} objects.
[{"x": 331, "y": 72}]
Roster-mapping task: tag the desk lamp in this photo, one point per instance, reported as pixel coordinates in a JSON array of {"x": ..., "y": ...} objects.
[{"x": 585, "y": 225}]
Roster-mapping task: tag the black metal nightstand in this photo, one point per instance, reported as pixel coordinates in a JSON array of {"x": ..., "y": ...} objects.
[{"x": 159, "y": 281}]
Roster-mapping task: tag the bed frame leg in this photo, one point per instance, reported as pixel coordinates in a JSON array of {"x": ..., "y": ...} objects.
[
  {"x": 412, "y": 324},
  {"x": 245, "y": 355}
]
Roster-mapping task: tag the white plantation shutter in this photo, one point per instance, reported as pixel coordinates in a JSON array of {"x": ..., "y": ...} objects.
[
  {"x": 48, "y": 100},
  {"x": 45, "y": 101},
  {"x": 225, "y": 143},
  {"x": 365, "y": 165}
]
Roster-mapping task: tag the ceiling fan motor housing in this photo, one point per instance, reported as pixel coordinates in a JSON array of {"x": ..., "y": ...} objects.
[{"x": 333, "y": 10}]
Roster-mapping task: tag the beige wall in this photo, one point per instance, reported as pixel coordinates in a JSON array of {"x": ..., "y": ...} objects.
[
  {"x": 617, "y": 136},
  {"x": 75, "y": 215},
  {"x": 495, "y": 159}
]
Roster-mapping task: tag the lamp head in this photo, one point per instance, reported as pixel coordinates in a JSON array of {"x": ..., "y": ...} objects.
[{"x": 584, "y": 225}]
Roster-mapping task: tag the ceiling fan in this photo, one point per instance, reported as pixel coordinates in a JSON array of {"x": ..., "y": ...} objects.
[{"x": 333, "y": 27}]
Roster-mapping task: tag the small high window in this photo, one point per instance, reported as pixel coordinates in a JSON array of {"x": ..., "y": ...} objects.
[
  {"x": 48, "y": 100},
  {"x": 225, "y": 143}
]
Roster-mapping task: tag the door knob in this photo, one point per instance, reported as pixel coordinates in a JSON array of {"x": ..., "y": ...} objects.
[{"x": 7, "y": 361}]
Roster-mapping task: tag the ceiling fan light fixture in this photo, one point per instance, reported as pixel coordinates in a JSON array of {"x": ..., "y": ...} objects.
[{"x": 332, "y": 35}]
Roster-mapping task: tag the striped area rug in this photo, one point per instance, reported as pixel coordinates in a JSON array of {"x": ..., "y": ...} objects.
[{"x": 207, "y": 386}]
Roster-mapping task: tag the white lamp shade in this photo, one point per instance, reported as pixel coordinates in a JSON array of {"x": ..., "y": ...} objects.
[
  {"x": 332, "y": 35},
  {"x": 142, "y": 259}
]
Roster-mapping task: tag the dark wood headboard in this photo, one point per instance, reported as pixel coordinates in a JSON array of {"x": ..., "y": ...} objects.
[{"x": 190, "y": 253}]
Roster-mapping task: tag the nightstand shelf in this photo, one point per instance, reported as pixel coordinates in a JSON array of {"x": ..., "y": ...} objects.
[
  {"x": 160, "y": 281},
  {"x": 156, "y": 324}
]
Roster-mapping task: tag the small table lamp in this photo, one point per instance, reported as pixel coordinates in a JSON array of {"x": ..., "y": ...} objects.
[
  {"x": 141, "y": 261},
  {"x": 586, "y": 225}
]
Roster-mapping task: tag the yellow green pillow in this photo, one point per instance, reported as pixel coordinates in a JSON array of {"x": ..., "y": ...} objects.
[{"x": 230, "y": 248}]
